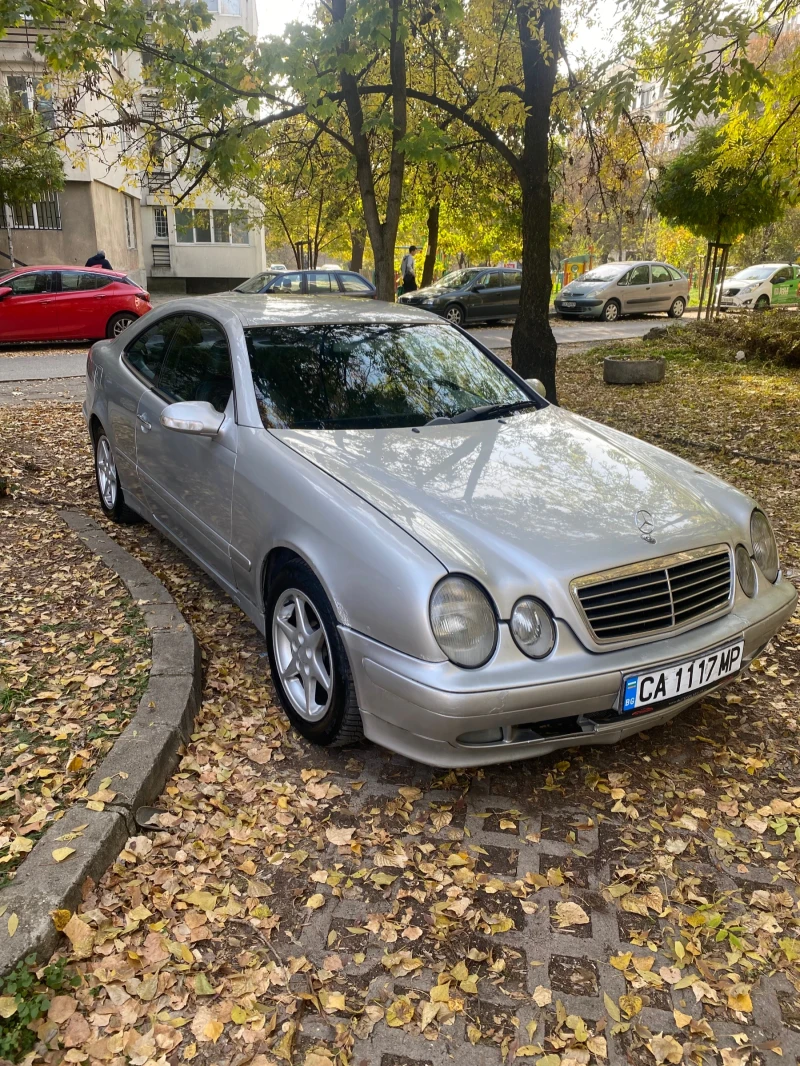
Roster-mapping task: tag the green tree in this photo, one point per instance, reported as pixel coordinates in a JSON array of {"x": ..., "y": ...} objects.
[{"x": 30, "y": 166}]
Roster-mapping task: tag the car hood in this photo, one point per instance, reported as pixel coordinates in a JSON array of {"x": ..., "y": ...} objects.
[
  {"x": 528, "y": 503},
  {"x": 575, "y": 286}
]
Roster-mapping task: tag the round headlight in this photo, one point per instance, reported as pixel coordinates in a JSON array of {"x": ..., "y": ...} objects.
[
  {"x": 764, "y": 547},
  {"x": 463, "y": 621},
  {"x": 532, "y": 628},
  {"x": 745, "y": 570}
]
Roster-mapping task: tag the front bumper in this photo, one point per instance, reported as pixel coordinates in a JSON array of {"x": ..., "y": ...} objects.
[
  {"x": 423, "y": 709},
  {"x": 583, "y": 308}
]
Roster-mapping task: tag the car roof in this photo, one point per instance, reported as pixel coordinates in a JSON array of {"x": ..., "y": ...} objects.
[
  {"x": 262, "y": 310},
  {"x": 66, "y": 266}
]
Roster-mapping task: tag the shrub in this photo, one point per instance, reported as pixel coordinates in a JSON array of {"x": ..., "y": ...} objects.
[
  {"x": 25, "y": 1000},
  {"x": 769, "y": 336}
]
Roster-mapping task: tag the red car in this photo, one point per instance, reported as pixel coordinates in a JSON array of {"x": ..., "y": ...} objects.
[{"x": 49, "y": 303}]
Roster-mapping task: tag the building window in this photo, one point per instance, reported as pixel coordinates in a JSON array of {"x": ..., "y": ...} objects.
[
  {"x": 31, "y": 95},
  {"x": 44, "y": 214},
  {"x": 224, "y": 7},
  {"x": 217, "y": 226},
  {"x": 160, "y": 222},
  {"x": 130, "y": 222}
]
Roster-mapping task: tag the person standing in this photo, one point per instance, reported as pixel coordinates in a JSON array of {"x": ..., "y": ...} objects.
[
  {"x": 407, "y": 270},
  {"x": 98, "y": 260}
]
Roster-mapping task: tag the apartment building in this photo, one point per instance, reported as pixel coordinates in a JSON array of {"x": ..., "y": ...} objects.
[
  {"x": 203, "y": 247},
  {"x": 99, "y": 206}
]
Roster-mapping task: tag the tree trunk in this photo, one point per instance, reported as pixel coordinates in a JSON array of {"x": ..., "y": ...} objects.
[
  {"x": 533, "y": 346},
  {"x": 433, "y": 244},
  {"x": 357, "y": 241}
]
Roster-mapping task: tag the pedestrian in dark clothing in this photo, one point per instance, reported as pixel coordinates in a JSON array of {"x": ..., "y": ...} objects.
[
  {"x": 407, "y": 270},
  {"x": 98, "y": 260}
]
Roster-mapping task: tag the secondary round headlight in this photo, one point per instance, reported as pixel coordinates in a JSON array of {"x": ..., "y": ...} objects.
[
  {"x": 532, "y": 628},
  {"x": 764, "y": 547},
  {"x": 463, "y": 621},
  {"x": 745, "y": 570}
]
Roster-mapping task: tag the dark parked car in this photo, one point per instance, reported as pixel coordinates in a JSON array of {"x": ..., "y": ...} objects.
[
  {"x": 309, "y": 283},
  {"x": 476, "y": 294}
]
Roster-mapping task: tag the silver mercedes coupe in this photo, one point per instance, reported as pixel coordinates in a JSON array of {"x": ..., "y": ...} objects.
[{"x": 438, "y": 557}]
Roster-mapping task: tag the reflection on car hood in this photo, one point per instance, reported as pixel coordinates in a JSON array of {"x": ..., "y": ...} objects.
[
  {"x": 544, "y": 493},
  {"x": 578, "y": 284}
]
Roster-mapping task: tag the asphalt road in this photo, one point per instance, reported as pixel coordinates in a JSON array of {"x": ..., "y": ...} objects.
[{"x": 69, "y": 361}]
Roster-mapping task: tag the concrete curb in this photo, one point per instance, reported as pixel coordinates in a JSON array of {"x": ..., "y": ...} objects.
[{"x": 146, "y": 753}]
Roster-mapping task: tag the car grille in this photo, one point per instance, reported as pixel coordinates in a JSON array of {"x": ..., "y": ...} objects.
[
  {"x": 647, "y": 598},
  {"x": 730, "y": 292}
]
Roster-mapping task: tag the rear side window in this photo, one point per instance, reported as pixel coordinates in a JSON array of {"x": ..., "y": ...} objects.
[
  {"x": 38, "y": 281},
  {"x": 198, "y": 365},
  {"x": 83, "y": 280},
  {"x": 354, "y": 283},
  {"x": 147, "y": 352},
  {"x": 513, "y": 277},
  {"x": 497, "y": 280},
  {"x": 320, "y": 282},
  {"x": 660, "y": 274}
]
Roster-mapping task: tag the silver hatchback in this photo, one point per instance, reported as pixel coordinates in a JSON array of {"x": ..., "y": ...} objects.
[
  {"x": 616, "y": 289},
  {"x": 436, "y": 555}
]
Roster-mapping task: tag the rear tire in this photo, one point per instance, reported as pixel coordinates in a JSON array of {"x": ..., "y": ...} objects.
[
  {"x": 117, "y": 323},
  {"x": 309, "y": 665},
  {"x": 454, "y": 314},
  {"x": 611, "y": 312},
  {"x": 678, "y": 307},
  {"x": 109, "y": 490}
]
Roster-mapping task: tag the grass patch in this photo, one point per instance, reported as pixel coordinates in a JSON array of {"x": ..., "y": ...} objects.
[{"x": 771, "y": 337}]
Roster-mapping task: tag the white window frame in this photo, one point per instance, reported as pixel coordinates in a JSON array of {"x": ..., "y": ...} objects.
[
  {"x": 160, "y": 215},
  {"x": 181, "y": 234},
  {"x": 130, "y": 221}
]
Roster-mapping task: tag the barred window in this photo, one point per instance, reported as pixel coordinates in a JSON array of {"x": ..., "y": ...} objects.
[
  {"x": 44, "y": 214},
  {"x": 160, "y": 222}
]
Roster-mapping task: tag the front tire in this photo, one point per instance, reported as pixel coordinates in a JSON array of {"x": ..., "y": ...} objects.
[
  {"x": 611, "y": 312},
  {"x": 117, "y": 323},
  {"x": 678, "y": 307},
  {"x": 454, "y": 314},
  {"x": 109, "y": 490},
  {"x": 762, "y": 303},
  {"x": 309, "y": 665}
]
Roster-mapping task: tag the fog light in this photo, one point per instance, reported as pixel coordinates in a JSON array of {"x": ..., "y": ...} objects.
[
  {"x": 745, "y": 571},
  {"x": 482, "y": 736}
]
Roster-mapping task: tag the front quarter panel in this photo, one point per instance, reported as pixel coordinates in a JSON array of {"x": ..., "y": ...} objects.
[{"x": 377, "y": 577}]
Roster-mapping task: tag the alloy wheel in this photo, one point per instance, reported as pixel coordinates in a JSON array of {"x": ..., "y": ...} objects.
[
  {"x": 453, "y": 314},
  {"x": 121, "y": 324},
  {"x": 611, "y": 312},
  {"x": 106, "y": 473},
  {"x": 302, "y": 655}
]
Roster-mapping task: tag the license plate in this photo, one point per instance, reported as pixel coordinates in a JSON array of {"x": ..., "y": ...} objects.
[
  {"x": 727, "y": 300},
  {"x": 651, "y": 687},
  {"x": 568, "y": 303}
]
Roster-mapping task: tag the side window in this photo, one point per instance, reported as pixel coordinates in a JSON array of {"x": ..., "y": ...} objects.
[
  {"x": 320, "y": 282},
  {"x": 660, "y": 274},
  {"x": 513, "y": 277},
  {"x": 482, "y": 281},
  {"x": 198, "y": 364},
  {"x": 639, "y": 276},
  {"x": 784, "y": 274},
  {"x": 354, "y": 283},
  {"x": 675, "y": 274},
  {"x": 287, "y": 283},
  {"x": 497, "y": 279},
  {"x": 83, "y": 280},
  {"x": 31, "y": 284},
  {"x": 146, "y": 353}
]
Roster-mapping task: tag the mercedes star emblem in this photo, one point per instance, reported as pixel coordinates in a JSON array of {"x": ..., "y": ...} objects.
[{"x": 646, "y": 525}]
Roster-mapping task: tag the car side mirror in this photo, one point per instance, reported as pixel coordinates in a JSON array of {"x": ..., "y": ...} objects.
[
  {"x": 5, "y": 290},
  {"x": 537, "y": 386},
  {"x": 478, "y": 288},
  {"x": 192, "y": 416}
]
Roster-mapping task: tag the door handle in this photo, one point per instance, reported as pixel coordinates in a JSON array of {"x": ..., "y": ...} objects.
[{"x": 146, "y": 426}]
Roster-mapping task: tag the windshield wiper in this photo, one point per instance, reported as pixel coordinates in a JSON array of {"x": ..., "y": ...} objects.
[{"x": 487, "y": 410}]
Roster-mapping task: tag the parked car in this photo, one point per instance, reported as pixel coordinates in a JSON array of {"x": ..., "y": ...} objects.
[
  {"x": 277, "y": 268},
  {"x": 615, "y": 289},
  {"x": 475, "y": 294},
  {"x": 320, "y": 282},
  {"x": 434, "y": 552},
  {"x": 761, "y": 286},
  {"x": 49, "y": 303}
]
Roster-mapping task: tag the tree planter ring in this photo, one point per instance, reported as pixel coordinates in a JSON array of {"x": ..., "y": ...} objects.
[{"x": 628, "y": 370}]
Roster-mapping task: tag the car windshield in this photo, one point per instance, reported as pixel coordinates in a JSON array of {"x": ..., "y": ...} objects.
[
  {"x": 755, "y": 273},
  {"x": 255, "y": 284},
  {"x": 373, "y": 376},
  {"x": 603, "y": 273},
  {"x": 456, "y": 279}
]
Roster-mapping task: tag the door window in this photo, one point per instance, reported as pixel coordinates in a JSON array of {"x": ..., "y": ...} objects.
[
  {"x": 83, "y": 280},
  {"x": 288, "y": 283},
  {"x": 146, "y": 353},
  {"x": 198, "y": 364},
  {"x": 639, "y": 276},
  {"x": 39, "y": 281},
  {"x": 354, "y": 283},
  {"x": 784, "y": 274},
  {"x": 320, "y": 282},
  {"x": 513, "y": 277},
  {"x": 482, "y": 281},
  {"x": 496, "y": 280},
  {"x": 660, "y": 274}
]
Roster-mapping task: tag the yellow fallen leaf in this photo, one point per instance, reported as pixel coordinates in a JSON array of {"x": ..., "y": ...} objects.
[
  {"x": 542, "y": 996},
  {"x": 339, "y": 836},
  {"x": 8, "y": 1006},
  {"x": 681, "y": 1019},
  {"x": 13, "y": 923},
  {"x": 569, "y": 913},
  {"x": 665, "y": 1049},
  {"x": 213, "y": 1030},
  {"x": 739, "y": 998},
  {"x": 63, "y": 853},
  {"x": 400, "y": 1012},
  {"x": 60, "y": 919},
  {"x": 630, "y": 1004},
  {"x": 611, "y": 1007},
  {"x": 80, "y": 936},
  {"x": 622, "y": 962},
  {"x": 94, "y": 680},
  {"x": 315, "y": 902}
]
